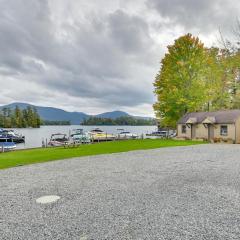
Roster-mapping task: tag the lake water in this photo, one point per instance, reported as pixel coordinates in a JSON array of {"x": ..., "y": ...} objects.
[{"x": 35, "y": 136}]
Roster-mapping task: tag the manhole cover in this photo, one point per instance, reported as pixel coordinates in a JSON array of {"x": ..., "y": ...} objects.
[{"x": 48, "y": 199}]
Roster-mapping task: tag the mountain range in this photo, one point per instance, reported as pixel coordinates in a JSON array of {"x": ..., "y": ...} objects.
[{"x": 56, "y": 114}]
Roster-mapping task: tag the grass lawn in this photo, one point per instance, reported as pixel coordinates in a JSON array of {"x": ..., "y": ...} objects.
[{"x": 23, "y": 157}]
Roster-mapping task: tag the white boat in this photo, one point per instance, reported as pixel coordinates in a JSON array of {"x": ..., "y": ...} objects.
[
  {"x": 7, "y": 146},
  {"x": 96, "y": 131},
  {"x": 127, "y": 135},
  {"x": 98, "y": 135},
  {"x": 162, "y": 134},
  {"x": 15, "y": 137},
  {"x": 79, "y": 136},
  {"x": 58, "y": 140}
]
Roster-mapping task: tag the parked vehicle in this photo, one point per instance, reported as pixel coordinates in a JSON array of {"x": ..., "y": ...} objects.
[
  {"x": 127, "y": 135},
  {"x": 98, "y": 135},
  {"x": 57, "y": 140},
  {"x": 15, "y": 137},
  {"x": 79, "y": 136}
]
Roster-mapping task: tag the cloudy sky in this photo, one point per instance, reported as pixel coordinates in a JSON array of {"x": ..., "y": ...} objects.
[{"x": 97, "y": 55}]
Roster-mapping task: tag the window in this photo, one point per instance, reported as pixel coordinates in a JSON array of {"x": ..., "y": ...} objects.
[
  {"x": 184, "y": 129},
  {"x": 224, "y": 130}
]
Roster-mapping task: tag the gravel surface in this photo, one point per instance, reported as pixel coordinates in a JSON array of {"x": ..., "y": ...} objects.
[{"x": 168, "y": 193}]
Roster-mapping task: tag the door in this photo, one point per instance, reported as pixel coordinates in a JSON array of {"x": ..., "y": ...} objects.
[
  {"x": 193, "y": 131},
  {"x": 210, "y": 132}
]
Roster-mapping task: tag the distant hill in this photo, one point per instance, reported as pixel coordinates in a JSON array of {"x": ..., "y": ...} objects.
[
  {"x": 56, "y": 114},
  {"x": 113, "y": 115},
  {"x": 52, "y": 114}
]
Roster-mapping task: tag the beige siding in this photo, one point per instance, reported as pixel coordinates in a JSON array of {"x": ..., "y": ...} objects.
[
  {"x": 238, "y": 130},
  {"x": 201, "y": 131},
  {"x": 183, "y": 135},
  {"x": 231, "y": 131}
]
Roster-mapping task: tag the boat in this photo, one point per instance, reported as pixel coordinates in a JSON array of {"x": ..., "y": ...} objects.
[
  {"x": 8, "y": 145},
  {"x": 127, "y": 135},
  {"x": 57, "y": 140},
  {"x": 162, "y": 134},
  {"x": 98, "y": 135},
  {"x": 79, "y": 136},
  {"x": 15, "y": 137},
  {"x": 96, "y": 131},
  {"x": 158, "y": 133}
]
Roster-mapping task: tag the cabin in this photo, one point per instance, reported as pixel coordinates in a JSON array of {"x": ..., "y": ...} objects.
[{"x": 219, "y": 126}]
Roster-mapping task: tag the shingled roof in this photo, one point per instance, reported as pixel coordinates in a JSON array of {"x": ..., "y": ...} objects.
[{"x": 228, "y": 116}]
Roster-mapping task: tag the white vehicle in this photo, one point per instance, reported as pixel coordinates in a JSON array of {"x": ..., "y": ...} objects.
[{"x": 127, "y": 135}]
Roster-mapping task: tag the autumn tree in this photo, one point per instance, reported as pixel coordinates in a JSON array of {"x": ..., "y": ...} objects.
[
  {"x": 181, "y": 82},
  {"x": 219, "y": 80}
]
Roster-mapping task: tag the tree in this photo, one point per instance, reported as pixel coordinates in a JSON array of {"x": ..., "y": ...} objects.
[
  {"x": 231, "y": 50},
  {"x": 19, "y": 118},
  {"x": 218, "y": 77},
  {"x": 124, "y": 120},
  {"x": 181, "y": 82},
  {"x": 1, "y": 120},
  {"x": 233, "y": 71},
  {"x": 231, "y": 45},
  {"x": 36, "y": 118}
]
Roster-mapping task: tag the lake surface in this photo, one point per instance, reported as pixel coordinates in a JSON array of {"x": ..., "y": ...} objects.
[{"x": 35, "y": 136}]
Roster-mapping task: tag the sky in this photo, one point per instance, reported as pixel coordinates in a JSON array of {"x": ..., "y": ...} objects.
[{"x": 98, "y": 55}]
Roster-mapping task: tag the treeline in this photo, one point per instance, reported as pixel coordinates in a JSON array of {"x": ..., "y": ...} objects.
[
  {"x": 52, "y": 123},
  {"x": 119, "y": 121},
  {"x": 18, "y": 118},
  {"x": 194, "y": 78}
]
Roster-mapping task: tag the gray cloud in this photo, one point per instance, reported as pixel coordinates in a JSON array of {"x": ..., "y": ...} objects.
[
  {"x": 204, "y": 15},
  {"x": 130, "y": 33},
  {"x": 97, "y": 58}
]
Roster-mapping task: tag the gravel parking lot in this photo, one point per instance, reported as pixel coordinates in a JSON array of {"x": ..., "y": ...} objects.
[{"x": 169, "y": 193}]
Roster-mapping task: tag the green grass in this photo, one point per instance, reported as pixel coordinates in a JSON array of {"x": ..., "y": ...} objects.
[{"x": 23, "y": 157}]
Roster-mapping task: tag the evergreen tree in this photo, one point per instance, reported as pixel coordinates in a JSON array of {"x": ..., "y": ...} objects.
[{"x": 19, "y": 118}]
